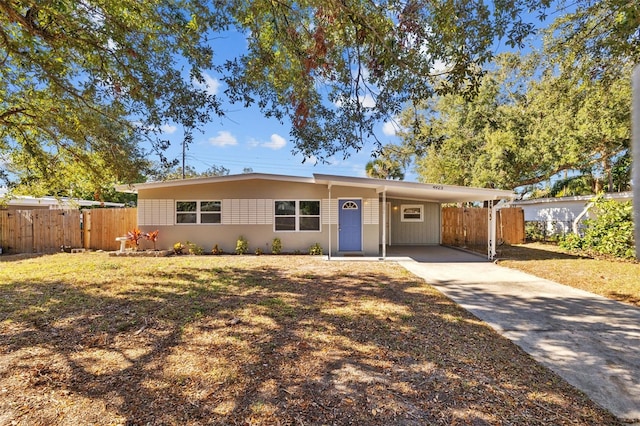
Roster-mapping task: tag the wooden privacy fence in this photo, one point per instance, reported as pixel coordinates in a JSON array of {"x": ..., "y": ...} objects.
[
  {"x": 48, "y": 231},
  {"x": 102, "y": 226},
  {"x": 468, "y": 227},
  {"x": 39, "y": 231}
]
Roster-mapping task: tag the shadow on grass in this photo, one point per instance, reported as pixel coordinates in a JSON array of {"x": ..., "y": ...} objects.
[
  {"x": 529, "y": 253},
  {"x": 235, "y": 341},
  {"x": 20, "y": 256},
  {"x": 624, "y": 297}
]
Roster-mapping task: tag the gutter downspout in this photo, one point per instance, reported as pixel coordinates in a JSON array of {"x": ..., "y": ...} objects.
[{"x": 574, "y": 226}]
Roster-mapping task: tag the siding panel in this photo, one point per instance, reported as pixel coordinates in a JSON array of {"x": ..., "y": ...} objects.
[
  {"x": 371, "y": 211},
  {"x": 329, "y": 211},
  {"x": 156, "y": 212},
  {"x": 236, "y": 211},
  {"x": 419, "y": 233}
]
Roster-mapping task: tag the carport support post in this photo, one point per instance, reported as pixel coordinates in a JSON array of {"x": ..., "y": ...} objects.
[
  {"x": 635, "y": 149},
  {"x": 384, "y": 224},
  {"x": 491, "y": 232},
  {"x": 330, "y": 214}
]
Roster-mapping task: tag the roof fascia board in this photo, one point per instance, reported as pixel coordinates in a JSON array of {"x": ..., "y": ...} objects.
[
  {"x": 389, "y": 185},
  {"x": 424, "y": 191},
  {"x": 212, "y": 179}
]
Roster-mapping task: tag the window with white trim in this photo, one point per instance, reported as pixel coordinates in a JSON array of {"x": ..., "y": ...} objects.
[
  {"x": 412, "y": 213},
  {"x": 297, "y": 215},
  {"x": 199, "y": 212}
]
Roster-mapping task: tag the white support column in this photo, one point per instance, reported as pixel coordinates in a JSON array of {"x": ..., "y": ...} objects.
[
  {"x": 493, "y": 213},
  {"x": 330, "y": 214},
  {"x": 491, "y": 232},
  {"x": 384, "y": 224},
  {"x": 635, "y": 150}
]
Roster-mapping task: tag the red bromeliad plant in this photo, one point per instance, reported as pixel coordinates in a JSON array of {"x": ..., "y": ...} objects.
[
  {"x": 153, "y": 237},
  {"x": 134, "y": 235}
]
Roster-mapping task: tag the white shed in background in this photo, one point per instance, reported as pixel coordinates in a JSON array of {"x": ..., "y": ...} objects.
[{"x": 559, "y": 214}]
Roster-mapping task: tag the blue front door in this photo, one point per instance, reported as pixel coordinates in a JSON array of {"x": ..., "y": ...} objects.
[{"x": 350, "y": 225}]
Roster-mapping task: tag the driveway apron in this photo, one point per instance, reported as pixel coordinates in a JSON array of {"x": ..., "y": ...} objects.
[{"x": 590, "y": 341}]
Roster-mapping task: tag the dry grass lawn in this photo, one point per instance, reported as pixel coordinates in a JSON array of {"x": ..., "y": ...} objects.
[
  {"x": 617, "y": 280},
  {"x": 248, "y": 340}
]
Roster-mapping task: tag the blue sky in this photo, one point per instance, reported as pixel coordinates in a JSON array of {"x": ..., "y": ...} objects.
[{"x": 245, "y": 139}]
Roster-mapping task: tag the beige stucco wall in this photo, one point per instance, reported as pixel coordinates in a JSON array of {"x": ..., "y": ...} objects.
[{"x": 259, "y": 236}]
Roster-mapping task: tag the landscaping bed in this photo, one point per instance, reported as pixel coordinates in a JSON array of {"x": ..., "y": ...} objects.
[
  {"x": 141, "y": 253},
  {"x": 248, "y": 340}
]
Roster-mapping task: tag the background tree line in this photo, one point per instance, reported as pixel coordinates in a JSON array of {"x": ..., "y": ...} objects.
[{"x": 87, "y": 85}]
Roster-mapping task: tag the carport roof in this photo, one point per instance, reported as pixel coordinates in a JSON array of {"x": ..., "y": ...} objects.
[
  {"x": 393, "y": 189},
  {"x": 437, "y": 193}
]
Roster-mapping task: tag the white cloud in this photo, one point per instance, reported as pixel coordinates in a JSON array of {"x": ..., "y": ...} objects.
[
  {"x": 168, "y": 129},
  {"x": 276, "y": 142},
  {"x": 440, "y": 67},
  {"x": 359, "y": 170},
  {"x": 223, "y": 139},
  {"x": 390, "y": 128},
  {"x": 367, "y": 101},
  {"x": 210, "y": 85}
]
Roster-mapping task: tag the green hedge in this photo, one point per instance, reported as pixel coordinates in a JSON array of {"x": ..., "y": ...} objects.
[{"x": 611, "y": 233}]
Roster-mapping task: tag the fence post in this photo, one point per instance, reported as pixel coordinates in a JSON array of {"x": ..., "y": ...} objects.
[{"x": 86, "y": 228}]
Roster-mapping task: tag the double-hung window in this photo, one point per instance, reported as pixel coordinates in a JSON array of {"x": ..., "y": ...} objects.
[
  {"x": 198, "y": 212},
  {"x": 297, "y": 215},
  {"x": 412, "y": 213}
]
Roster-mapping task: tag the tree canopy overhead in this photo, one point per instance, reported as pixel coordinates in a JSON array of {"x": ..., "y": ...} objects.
[
  {"x": 563, "y": 108},
  {"x": 85, "y": 82},
  {"x": 336, "y": 68},
  {"x": 522, "y": 128}
]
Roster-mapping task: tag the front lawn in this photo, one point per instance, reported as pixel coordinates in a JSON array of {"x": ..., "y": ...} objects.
[
  {"x": 248, "y": 340},
  {"x": 619, "y": 280}
]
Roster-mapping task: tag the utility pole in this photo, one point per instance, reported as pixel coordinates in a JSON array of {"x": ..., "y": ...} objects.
[
  {"x": 187, "y": 139},
  {"x": 635, "y": 150}
]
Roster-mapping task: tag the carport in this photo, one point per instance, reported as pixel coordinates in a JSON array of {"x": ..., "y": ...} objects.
[
  {"x": 433, "y": 254},
  {"x": 422, "y": 193}
]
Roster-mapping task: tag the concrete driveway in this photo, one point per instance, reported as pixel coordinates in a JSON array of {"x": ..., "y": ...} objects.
[{"x": 591, "y": 341}]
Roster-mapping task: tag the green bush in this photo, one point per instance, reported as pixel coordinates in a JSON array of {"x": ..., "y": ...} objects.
[
  {"x": 315, "y": 250},
  {"x": 217, "y": 250},
  {"x": 276, "y": 246},
  {"x": 611, "y": 233},
  {"x": 178, "y": 247},
  {"x": 535, "y": 230},
  {"x": 194, "y": 249},
  {"x": 242, "y": 245},
  {"x": 571, "y": 242}
]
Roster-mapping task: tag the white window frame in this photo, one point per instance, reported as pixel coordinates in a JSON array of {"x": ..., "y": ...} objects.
[
  {"x": 297, "y": 216},
  {"x": 420, "y": 208},
  {"x": 198, "y": 212}
]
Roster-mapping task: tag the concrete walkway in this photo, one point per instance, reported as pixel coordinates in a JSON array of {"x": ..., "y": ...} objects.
[{"x": 591, "y": 341}]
